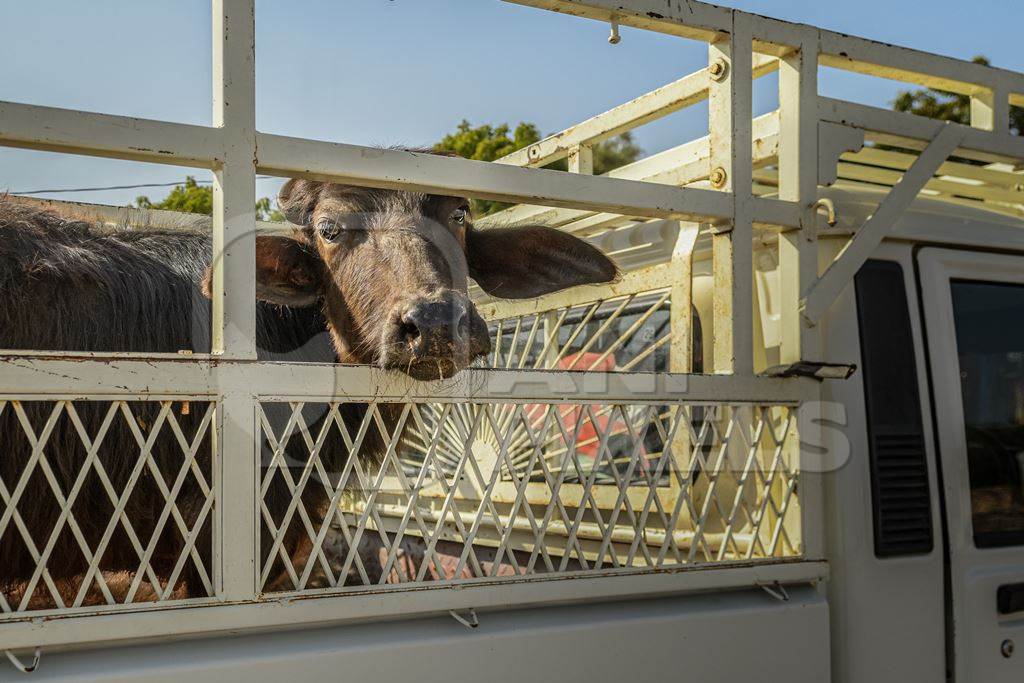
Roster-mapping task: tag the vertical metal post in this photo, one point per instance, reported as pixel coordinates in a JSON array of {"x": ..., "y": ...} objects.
[
  {"x": 731, "y": 138},
  {"x": 680, "y": 356},
  {"x": 798, "y": 182},
  {"x": 581, "y": 159},
  {"x": 681, "y": 300},
  {"x": 234, "y": 185},
  {"x": 551, "y": 330},
  {"x": 234, "y": 294},
  {"x": 990, "y": 110},
  {"x": 798, "y": 252},
  {"x": 730, "y": 131}
]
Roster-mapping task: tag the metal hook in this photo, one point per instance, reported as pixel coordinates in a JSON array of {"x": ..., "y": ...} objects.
[
  {"x": 21, "y": 667},
  {"x": 830, "y": 208},
  {"x": 472, "y": 622},
  {"x": 614, "y": 38},
  {"x": 776, "y": 590}
]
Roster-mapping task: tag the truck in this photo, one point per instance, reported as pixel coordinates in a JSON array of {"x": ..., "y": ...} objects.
[{"x": 786, "y": 444}]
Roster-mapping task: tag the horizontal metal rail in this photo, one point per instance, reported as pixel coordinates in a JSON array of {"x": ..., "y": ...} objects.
[
  {"x": 279, "y": 155},
  {"x": 874, "y": 58},
  {"x": 916, "y": 131},
  {"x": 635, "y": 282},
  {"x": 123, "y": 137},
  {"x": 706, "y": 22},
  {"x": 657, "y": 104},
  {"x": 313, "y": 609},
  {"x": 24, "y": 377},
  {"x": 681, "y": 165},
  {"x": 197, "y": 145},
  {"x": 694, "y": 20},
  {"x": 136, "y": 218}
]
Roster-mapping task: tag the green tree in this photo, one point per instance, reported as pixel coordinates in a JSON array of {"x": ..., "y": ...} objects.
[
  {"x": 939, "y": 104},
  {"x": 265, "y": 211},
  {"x": 188, "y": 198},
  {"x": 487, "y": 143},
  {"x": 616, "y": 152},
  {"x": 195, "y": 198}
]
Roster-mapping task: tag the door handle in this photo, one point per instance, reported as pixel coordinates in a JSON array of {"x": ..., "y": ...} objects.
[{"x": 1010, "y": 598}]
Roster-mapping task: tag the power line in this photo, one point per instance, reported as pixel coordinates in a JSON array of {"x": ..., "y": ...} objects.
[
  {"x": 121, "y": 187},
  {"x": 109, "y": 187}
]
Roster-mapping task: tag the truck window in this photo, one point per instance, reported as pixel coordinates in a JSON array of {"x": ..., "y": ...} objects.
[
  {"x": 989, "y": 320},
  {"x": 901, "y": 503}
]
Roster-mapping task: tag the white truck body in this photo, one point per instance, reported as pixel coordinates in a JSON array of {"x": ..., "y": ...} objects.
[{"x": 775, "y": 527}]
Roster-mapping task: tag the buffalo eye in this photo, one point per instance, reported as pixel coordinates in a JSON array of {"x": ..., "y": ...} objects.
[
  {"x": 460, "y": 216},
  {"x": 330, "y": 229}
]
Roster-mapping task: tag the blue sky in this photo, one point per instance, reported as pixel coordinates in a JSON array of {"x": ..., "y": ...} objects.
[{"x": 405, "y": 71}]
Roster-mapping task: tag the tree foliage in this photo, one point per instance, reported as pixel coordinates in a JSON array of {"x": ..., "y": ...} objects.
[
  {"x": 616, "y": 152},
  {"x": 265, "y": 211},
  {"x": 488, "y": 142},
  {"x": 195, "y": 198},
  {"x": 939, "y": 104},
  {"x": 188, "y": 198}
]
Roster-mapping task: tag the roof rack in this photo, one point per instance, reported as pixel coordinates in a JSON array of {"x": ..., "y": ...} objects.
[{"x": 809, "y": 141}]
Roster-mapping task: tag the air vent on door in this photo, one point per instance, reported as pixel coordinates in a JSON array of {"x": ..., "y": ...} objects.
[{"x": 899, "y": 468}]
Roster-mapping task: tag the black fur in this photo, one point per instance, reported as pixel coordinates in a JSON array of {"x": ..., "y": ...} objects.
[{"x": 68, "y": 285}]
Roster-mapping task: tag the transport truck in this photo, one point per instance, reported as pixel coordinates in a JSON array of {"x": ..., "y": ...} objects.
[{"x": 786, "y": 444}]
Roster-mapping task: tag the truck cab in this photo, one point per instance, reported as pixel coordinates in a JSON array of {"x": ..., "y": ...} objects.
[{"x": 924, "y": 518}]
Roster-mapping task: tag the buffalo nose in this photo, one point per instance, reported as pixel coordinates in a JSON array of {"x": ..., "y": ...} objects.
[{"x": 435, "y": 328}]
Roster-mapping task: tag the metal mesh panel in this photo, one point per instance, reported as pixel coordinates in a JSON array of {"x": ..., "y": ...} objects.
[
  {"x": 104, "y": 503},
  {"x": 626, "y": 333},
  {"x": 439, "y": 492}
]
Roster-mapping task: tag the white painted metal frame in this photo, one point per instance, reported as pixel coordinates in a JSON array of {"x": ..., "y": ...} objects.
[
  {"x": 117, "y": 411},
  {"x": 537, "y": 502},
  {"x": 235, "y": 151}
]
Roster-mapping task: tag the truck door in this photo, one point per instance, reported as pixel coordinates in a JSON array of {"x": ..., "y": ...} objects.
[{"x": 974, "y": 317}]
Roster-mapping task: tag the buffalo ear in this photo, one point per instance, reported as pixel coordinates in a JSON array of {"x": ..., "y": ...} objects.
[
  {"x": 298, "y": 199},
  {"x": 528, "y": 261},
  {"x": 288, "y": 273}
]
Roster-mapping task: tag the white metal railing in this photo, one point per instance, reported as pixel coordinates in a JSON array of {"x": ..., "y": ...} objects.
[
  {"x": 479, "y": 491},
  {"x": 167, "y": 541},
  {"x": 803, "y": 140}
]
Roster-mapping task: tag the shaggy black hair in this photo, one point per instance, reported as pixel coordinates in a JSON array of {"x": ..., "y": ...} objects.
[{"x": 72, "y": 285}]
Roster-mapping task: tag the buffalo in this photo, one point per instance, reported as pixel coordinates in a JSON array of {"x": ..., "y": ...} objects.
[{"x": 367, "y": 276}]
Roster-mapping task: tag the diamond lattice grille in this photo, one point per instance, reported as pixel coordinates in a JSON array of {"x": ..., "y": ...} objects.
[
  {"x": 104, "y": 503},
  {"x": 438, "y": 492},
  {"x": 626, "y": 333}
]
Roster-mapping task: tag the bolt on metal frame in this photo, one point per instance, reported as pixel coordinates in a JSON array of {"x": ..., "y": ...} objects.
[{"x": 800, "y": 137}]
